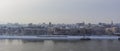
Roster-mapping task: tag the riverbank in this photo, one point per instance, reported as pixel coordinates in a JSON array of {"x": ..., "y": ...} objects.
[{"x": 60, "y": 37}]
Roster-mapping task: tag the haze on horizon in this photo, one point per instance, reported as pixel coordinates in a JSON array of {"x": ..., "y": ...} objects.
[{"x": 59, "y": 11}]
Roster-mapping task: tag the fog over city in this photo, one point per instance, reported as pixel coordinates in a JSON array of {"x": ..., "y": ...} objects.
[
  {"x": 59, "y": 25},
  {"x": 59, "y": 11}
]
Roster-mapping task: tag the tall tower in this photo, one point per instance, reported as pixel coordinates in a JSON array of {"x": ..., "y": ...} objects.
[
  {"x": 50, "y": 24},
  {"x": 83, "y": 23},
  {"x": 112, "y": 23}
]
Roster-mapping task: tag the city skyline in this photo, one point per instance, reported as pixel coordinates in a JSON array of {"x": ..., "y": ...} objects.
[{"x": 59, "y": 11}]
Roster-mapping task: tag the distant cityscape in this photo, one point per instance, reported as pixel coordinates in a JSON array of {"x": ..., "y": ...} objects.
[{"x": 60, "y": 29}]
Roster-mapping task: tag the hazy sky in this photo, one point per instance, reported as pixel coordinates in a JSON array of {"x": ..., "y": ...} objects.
[{"x": 59, "y": 11}]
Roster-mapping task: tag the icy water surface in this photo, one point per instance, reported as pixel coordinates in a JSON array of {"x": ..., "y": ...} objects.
[{"x": 49, "y": 45}]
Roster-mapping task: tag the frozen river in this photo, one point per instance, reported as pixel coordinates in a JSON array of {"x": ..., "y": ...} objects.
[{"x": 66, "y": 45}]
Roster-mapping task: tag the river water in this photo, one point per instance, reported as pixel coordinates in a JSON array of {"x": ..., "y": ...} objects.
[{"x": 49, "y": 45}]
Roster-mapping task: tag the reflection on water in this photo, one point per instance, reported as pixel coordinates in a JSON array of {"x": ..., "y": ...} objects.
[{"x": 49, "y": 45}]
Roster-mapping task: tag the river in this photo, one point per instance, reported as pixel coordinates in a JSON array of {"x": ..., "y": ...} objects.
[{"x": 49, "y": 45}]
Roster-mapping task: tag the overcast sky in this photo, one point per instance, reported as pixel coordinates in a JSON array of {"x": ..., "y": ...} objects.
[{"x": 59, "y": 11}]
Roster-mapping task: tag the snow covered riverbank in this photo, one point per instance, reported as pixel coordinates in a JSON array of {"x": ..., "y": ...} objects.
[{"x": 58, "y": 37}]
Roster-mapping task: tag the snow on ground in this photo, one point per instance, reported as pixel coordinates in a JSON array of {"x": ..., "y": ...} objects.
[{"x": 57, "y": 37}]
